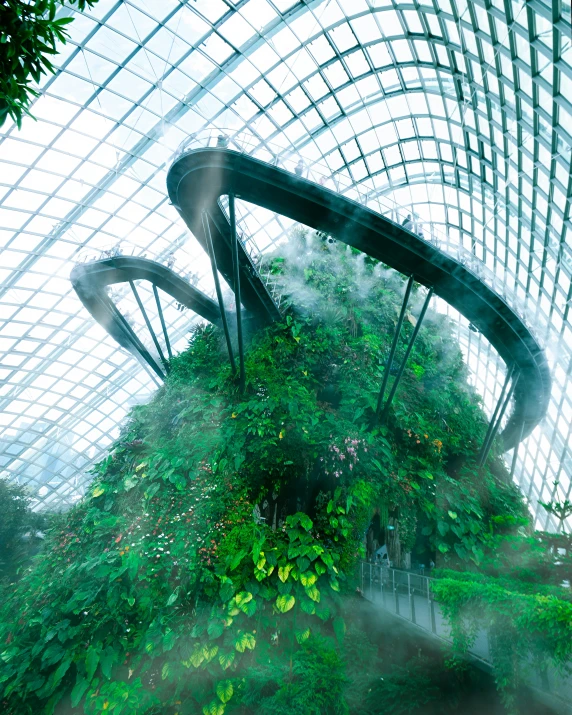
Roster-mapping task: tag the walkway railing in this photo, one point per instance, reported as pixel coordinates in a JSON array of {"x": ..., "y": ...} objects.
[
  {"x": 320, "y": 173},
  {"x": 409, "y": 596}
]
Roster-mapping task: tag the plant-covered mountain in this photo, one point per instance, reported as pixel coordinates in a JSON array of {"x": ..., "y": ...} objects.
[{"x": 211, "y": 568}]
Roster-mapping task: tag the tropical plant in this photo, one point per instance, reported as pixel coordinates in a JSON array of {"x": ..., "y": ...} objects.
[
  {"x": 18, "y": 529},
  {"x": 559, "y": 507},
  {"x": 528, "y": 625},
  {"x": 208, "y": 567},
  {"x": 29, "y": 35}
]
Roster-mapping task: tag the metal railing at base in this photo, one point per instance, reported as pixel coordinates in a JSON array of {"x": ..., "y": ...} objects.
[{"x": 409, "y": 596}]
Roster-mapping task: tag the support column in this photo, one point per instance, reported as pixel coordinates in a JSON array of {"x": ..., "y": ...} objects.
[
  {"x": 149, "y": 326},
  {"x": 515, "y": 453},
  {"x": 236, "y": 276},
  {"x": 406, "y": 357},
  {"x": 210, "y": 247},
  {"x": 488, "y": 445},
  {"x": 141, "y": 349},
  {"x": 389, "y": 363},
  {"x": 162, "y": 319},
  {"x": 509, "y": 374}
]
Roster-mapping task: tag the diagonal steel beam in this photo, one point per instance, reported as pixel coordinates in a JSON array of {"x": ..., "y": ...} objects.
[
  {"x": 406, "y": 356},
  {"x": 209, "y": 241},
  {"x": 149, "y": 326},
  {"x": 492, "y": 422},
  {"x": 389, "y": 362}
]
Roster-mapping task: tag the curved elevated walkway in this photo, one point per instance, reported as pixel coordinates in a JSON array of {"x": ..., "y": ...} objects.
[
  {"x": 199, "y": 178},
  {"x": 91, "y": 279}
]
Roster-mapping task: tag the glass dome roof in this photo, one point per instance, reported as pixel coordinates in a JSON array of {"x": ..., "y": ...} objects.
[{"x": 459, "y": 110}]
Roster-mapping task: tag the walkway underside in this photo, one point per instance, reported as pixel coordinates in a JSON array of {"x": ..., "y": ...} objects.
[
  {"x": 90, "y": 280},
  {"x": 198, "y": 179}
]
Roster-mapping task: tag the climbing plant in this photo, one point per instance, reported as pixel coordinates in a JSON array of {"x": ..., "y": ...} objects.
[
  {"x": 528, "y": 627},
  {"x": 208, "y": 568}
]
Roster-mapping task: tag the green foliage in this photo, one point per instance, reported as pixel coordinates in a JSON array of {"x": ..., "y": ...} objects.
[
  {"x": 560, "y": 508},
  {"x": 310, "y": 683},
  {"x": 524, "y": 624},
  {"x": 18, "y": 529},
  {"x": 379, "y": 683},
  {"x": 406, "y": 689},
  {"x": 29, "y": 35},
  {"x": 206, "y": 570}
]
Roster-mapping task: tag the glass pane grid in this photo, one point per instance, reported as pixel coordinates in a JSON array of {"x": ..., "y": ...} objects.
[{"x": 457, "y": 111}]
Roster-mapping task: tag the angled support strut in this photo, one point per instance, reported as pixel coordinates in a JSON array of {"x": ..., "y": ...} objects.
[
  {"x": 389, "y": 363},
  {"x": 500, "y": 409},
  {"x": 208, "y": 237},
  {"x": 162, "y": 319},
  {"x": 149, "y": 326},
  {"x": 406, "y": 356},
  {"x": 141, "y": 349},
  {"x": 515, "y": 452}
]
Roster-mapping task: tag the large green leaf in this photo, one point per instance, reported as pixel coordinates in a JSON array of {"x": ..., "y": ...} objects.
[
  {"x": 81, "y": 685},
  {"x": 313, "y": 593},
  {"x": 284, "y": 572},
  {"x": 214, "y": 708},
  {"x": 91, "y": 662},
  {"x": 215, "y": 629},
  {"x": 244, "y": 641},
  {"x": 307, "y": 606},
  {"x": 285, "y": 602},
  {"x": 308, "y": 578},
  {"x": 242, "y": 598},
  {"x": 173, "y": 597},
  {"x": 225, "y": 690},
  {"x": 226, "y": 659},
  {"x": 302, "y": 635}
]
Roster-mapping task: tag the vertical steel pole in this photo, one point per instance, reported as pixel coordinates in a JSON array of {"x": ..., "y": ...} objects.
[
  {"x": 236, "y": 271},
  {"x": 407, "y": 353},
  {"x": 432, "y": 616},
  {"x": 409, "y": 594},
  {"x": 210, "y": 247},
  {"x": 389, "y": 363}
]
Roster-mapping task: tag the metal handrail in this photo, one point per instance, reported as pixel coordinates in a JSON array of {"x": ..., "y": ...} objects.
[
  {"x": 410, "y": 597},
  {"x": 290, "y": 159}
]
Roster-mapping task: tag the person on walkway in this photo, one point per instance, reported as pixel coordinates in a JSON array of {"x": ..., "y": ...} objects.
[
  {"x": 407, "y": 223},
  {"x": 299, "y": 169}
]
